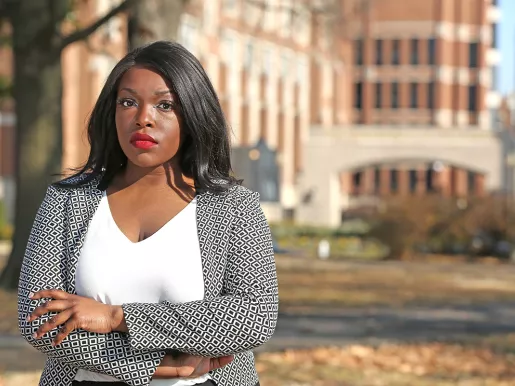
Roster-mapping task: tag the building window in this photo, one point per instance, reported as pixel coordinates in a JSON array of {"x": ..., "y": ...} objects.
[
  {"x": 358, "y": 95},
  {"x": 249, "y": 55},
  {"x": 431, "y": 51},
  {"x": 431, "y": 96},
  {"x": 394, "y": 180},
  {"x": 301, "y": 68},
  {"x": 356, "y": 182},
  {"x": 229, "y": 4},
  {"x": 413, "y": 95},
  {"x": 396, "y": 52},
  {"x": 379, "y": 91},
  {"x": 395, "y": 95},
  {"x": 377, "y": 180},
  {"x": 429, "y": 180},
  {"x": 187, "y": 36},
  {"x": 359, "y": 52},
  {"x": 285, "y": 64},
  {"x": 228, "y": 45},
  {"x": 379, "y": 52},
  {"x": 471, "y": 182},
  {"x": 472, "y": 102},
  {"x": 266, "y": 59},
  {"x": 414, "y": 51},
  {"x": 473, "y": 54},
  {"x": 412, "y": 181}
]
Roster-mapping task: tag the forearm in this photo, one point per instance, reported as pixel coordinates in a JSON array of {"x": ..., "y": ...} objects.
[
  {"x": 224, "y": 326},
  {"x": 102, "y": 353}
]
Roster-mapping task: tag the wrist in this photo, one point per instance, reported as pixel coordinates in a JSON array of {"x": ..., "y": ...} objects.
[{"x": 118, "y": 319}]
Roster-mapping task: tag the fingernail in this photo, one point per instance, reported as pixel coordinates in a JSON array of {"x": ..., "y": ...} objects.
[
  {"x": 28, "y": 318},
  {"x": 35, "y": 336},
  {"x": 31, "y": 295}
]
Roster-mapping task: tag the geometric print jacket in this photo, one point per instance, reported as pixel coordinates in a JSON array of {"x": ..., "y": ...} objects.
[{"x": 238, "y": 313}]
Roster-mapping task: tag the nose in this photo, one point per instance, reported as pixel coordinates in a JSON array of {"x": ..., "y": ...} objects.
[{"x": 145, "y": 116}]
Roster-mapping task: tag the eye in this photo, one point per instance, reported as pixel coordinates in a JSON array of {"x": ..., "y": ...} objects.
[
  {"x": 126, "y": 102},
  {"x": 166, "y": 105}
]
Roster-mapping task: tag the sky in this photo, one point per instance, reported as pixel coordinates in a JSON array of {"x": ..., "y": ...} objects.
[{"x": 506, "y": 44}]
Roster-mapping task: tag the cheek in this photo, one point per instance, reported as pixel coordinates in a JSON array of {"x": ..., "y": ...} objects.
[{"x": 122, "y": 122}]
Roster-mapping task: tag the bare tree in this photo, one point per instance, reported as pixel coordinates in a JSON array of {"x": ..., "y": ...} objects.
[
  {"x": 153, "y": 20},
  {"x": 37, "y": 44}
]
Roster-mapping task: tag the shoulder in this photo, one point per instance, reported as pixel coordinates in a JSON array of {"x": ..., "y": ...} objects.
[
  {"x": 237, "y": 201},
  {"x": 62, "y": 189},
  {"x": 241, "y": 194},
  {"x": 78, "y": 182},
  {"x": 235, "y": 196}
]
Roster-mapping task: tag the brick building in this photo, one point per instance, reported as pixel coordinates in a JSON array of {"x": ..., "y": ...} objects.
[
  {"x": 422, "y": 109},
  {"x": 275, "y": 77},
  {"x": 384, "y": 97},
  {"x": 428, "y": 63}
]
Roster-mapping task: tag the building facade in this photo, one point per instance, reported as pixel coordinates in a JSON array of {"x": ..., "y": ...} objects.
[
  {"x": 275, "y": 76},
  {"x": 359, "y": 99},
  {"x": 423, "y": 109}
]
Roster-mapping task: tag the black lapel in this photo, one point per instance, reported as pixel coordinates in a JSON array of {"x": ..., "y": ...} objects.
[{"x": 82, "y": 205}]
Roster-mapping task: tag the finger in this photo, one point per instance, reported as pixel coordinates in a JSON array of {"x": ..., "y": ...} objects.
[
  {"x": 50, "y": 293},
  {"x": 52, "y": 305},
  {"x": 54, "y": 322},
  {"x": 216, "y": 363},
  {"x": 64, "y": 332}
]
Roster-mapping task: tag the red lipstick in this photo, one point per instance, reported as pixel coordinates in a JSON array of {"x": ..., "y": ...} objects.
[{"x": 142, "y": 141}]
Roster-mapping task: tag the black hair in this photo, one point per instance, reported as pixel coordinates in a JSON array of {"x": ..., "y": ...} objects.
[{"x": 205, "y": 151}]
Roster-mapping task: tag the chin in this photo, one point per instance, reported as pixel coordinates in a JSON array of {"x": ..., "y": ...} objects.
[{"x": 144, "y": 161}]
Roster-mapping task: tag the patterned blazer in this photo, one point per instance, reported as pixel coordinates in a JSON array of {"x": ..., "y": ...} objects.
[{"x": 238, "y": 313}]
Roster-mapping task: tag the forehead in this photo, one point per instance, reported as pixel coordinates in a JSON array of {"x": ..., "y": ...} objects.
[{"x": 138, "y": 78}]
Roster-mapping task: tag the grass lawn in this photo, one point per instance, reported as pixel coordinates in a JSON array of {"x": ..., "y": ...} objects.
[
  {"x": 307, "y": 284},
  {"x": 399, "y": 365}
]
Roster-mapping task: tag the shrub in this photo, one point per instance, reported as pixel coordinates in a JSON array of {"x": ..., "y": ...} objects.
[{"x": 6, "y": 230}]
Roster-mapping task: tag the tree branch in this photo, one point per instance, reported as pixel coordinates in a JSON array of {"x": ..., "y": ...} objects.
[{"x": 85, "y": 32}]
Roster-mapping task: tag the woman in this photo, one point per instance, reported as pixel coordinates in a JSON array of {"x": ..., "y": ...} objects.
[{"x": 151, "y": 265}]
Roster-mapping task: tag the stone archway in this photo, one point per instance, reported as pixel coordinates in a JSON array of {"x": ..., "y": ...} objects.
[{"x": 329, "y": 152}]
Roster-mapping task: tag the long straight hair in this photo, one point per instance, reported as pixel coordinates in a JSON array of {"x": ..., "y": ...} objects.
[{"x": 205, "y": 151}]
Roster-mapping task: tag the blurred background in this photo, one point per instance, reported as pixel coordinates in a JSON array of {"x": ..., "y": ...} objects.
[{"x": 380, "y": 134}]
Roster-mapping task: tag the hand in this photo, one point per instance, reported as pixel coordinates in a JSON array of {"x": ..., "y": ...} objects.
[
  {"x": 74, "y": 312},
  {"x": 189, "y": 366}
]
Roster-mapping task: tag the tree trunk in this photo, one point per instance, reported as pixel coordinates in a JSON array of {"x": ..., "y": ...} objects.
[
  {"x": 153, "y": 20},
  {"x": 37, "y": 92}
]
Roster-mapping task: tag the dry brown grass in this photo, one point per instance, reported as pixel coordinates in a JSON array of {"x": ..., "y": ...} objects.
[
  {"x": 434, "y": 364},
  {"x": 400, "y": 365},
  {"x": 308, "y": 284},
  {"x": 8, "y": 313}
]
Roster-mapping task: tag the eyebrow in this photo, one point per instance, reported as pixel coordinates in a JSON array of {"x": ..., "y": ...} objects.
[{"x": 162, "y": 92}]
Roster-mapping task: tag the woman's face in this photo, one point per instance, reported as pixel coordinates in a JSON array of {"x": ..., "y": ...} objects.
[{"x": 147, "y": 123}]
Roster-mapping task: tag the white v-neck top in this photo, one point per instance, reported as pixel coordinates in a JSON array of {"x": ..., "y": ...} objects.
[{"x": 165, "y": 266}]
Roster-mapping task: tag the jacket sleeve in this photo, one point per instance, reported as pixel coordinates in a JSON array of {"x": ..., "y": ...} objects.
[
  {"x": 44, "y": 267},
  {"x": 242, "y": 318}
]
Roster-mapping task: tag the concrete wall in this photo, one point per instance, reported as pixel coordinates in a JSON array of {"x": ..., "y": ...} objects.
[{"x": 328, "y": 152}]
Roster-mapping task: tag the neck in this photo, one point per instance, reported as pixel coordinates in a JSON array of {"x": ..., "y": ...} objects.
[{"x": 166, "y": 175}]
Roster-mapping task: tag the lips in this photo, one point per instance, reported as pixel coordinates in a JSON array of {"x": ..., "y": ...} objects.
[{"x": 142, "y": 141}]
